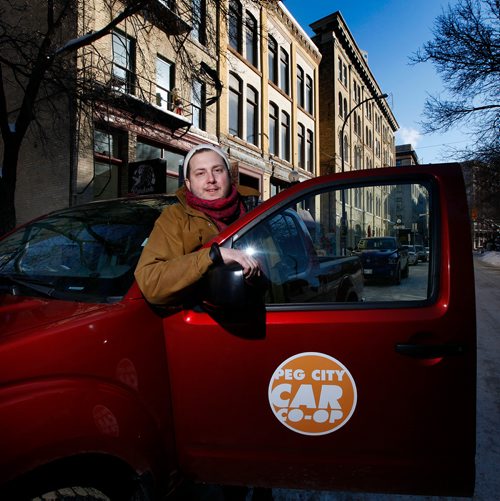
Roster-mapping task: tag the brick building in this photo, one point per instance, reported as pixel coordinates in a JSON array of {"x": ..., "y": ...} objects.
[{"x": 172, "y": 76}]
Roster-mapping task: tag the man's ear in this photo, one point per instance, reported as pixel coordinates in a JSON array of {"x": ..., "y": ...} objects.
[{"x": 188, "y": 184}]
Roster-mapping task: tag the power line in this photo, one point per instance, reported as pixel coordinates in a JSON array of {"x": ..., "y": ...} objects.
[{"x": 437, "y": 145}]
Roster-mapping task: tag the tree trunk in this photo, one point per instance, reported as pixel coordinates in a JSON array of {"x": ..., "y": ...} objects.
[{"x": 8, "y": 188}]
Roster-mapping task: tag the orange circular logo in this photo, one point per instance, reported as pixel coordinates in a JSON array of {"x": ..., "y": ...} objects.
[{"x": 312, "y": 394}]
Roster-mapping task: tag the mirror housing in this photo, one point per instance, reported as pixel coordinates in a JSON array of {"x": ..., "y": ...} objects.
[{"x": 225, "y": 287}]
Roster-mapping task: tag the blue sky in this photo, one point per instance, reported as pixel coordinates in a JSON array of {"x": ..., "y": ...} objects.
[{"x": 392, "y": 30}]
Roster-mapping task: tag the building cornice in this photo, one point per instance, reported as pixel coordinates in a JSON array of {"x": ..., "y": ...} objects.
[{"x": 336, "y": 24}]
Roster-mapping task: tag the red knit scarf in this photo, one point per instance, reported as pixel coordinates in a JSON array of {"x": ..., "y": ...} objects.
[{"x": 222, "y": 211}]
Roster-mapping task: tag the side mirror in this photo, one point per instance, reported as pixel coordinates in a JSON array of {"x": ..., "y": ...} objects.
[
  {"x": 235, "y": 303},
  {"x": 225, "y": 287}
]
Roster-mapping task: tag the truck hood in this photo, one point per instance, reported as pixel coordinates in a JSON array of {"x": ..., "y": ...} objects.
[
  {"x": 21, "y": 313},
  {"x": 376, "y": 252}
]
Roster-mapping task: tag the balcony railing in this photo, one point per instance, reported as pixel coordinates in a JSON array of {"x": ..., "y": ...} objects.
[
  {"x": 166, "y": 15},
  {"x": 104, "y": 81}
]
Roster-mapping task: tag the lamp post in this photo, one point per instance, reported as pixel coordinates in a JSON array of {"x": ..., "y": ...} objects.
[{"x": 343, "y": 220}]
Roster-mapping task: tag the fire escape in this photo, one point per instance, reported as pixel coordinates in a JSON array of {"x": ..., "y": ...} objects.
[{"x": 125, "y": 94}]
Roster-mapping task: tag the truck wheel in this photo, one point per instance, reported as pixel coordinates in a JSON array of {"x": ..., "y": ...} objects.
[
  {"x": 406, "y": 271},
  {"x": 397, "y": 276},
  {"x": 73, "y": 494}
]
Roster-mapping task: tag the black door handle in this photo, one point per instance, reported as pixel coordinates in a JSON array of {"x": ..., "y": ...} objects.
[{"x": 429, "y": 350}]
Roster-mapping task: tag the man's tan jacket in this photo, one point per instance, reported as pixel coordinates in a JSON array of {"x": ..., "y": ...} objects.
[{"x": 172, "y": 260}]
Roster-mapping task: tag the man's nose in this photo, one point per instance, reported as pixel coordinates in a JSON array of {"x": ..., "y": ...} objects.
[{"x": 211, "y": 177}]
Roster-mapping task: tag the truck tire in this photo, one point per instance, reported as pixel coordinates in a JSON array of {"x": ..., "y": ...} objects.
[
  {"x": 397, "y": 276},
  {"x": 73, "y": 494},
  {"x": 406, "y": 271}
]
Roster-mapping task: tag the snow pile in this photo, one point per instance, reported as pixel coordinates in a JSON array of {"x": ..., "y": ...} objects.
[{"x": 491, "y": 258}]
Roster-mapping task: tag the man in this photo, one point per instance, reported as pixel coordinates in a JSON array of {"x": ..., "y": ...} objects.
[{"x": 172, "y": 261}]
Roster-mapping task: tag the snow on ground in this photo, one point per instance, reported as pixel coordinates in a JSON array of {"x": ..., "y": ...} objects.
[{"x": 491, "y": 258}]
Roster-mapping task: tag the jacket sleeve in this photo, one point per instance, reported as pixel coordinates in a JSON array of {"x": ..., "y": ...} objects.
[{"x": 166, "y": 268}]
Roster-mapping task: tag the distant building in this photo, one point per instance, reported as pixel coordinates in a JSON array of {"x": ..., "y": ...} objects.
[
  {"x": 406, "y": 155},
  {"x": 357, "y": 127},
  {"x": 410, "y": 203}
]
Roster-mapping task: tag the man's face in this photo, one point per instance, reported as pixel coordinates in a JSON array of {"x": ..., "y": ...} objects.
[{"x": 208, "y": 176}]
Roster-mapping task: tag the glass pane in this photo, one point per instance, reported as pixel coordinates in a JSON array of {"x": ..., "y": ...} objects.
[
  {"x": 163, "y": 80},
  {"x": 86, "y": 253},
  {"x": 309, "y": 253}
]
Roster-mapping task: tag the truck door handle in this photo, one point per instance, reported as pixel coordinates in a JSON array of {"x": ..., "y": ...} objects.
[{"x": 429, "y": 350}]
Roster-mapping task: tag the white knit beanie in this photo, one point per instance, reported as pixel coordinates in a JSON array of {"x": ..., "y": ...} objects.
[{"x": 199, "y": 147}]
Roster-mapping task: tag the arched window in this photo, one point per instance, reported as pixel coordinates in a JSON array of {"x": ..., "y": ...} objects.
[
  {"x": 310, "y": 151},
  {"x": 309, "y": 95},
  {"x": 285, "y": 136},
  {"x": 300, "y": 87},
  {"x": 235, "y": 105},
  {"x": 273, "y": 129},
  {"x": 235, "y": 28},
  {"x": 284, "y": 71},
  {"x": 251, "y": 37},
  {"x": 301, "y": 146},
  {"x": 252, "y": 116},
  {"x": 273, "y": 60},
  {"x": 341, "y": 108}
]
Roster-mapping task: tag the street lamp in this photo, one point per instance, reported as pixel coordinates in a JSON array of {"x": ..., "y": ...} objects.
[{"x": 343, "y": 220}]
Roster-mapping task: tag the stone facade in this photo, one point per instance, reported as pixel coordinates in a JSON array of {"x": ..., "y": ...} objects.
[{"x": 245, "y": 76}]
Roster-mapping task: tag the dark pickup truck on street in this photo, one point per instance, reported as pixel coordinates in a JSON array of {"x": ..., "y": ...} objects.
[
  {"x": 383, "y": 257},
  {"x": 292, "y": 381}
]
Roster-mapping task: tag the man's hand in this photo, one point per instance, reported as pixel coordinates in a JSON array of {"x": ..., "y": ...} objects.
[{"x": 249, "y": 264}]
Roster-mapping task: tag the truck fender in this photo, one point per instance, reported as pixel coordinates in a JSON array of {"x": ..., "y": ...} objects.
[{"x": 46, "y": 420}]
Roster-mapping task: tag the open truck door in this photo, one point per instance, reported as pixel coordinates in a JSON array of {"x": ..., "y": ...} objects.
[{"x": 299, "y": 389}]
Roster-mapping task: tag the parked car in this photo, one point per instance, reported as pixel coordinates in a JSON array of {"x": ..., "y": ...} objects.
[
  {"x": 421, "y": 254},
  {"x": 383, "y": 257},
  {"x": 274, "y": 383},
  {"x": 412, "y": 254}
]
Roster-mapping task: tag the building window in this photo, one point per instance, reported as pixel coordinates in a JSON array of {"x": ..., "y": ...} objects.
[
  {"x": 107, "y": 164},
  {"x": 252, "y": 116},
  {"x": 235, "y": 105},
  {"x": 345, "y": 149},
  {"x": 251, "y": 37},
  {"x": 273, "y": 129},
  {"x": 165, "y": 78},
  {"x": 198, "y": 96},
  {"x": 301, "y": 146},
  {"x": 341, "y": 107},
  {"x": 123, "y": 62},
  {"x": 273, "y": 60},
  {"x": 285, "y": 136},
  {"x": 300, "y": 86},
  {"x": 309, "y": 95},
  {"x": 339, "y": 69},
  {"x": 199, "y": 21},
  {"x": 235, "y": 27},
  {"x": 344, "y": 67},
  {"x": 345, "y": 109},
  {"x": 105, "y": 144},
  {"x": 357, "y": 158},
  {"x": 310, "y": 151},
  {"x": 284, "y": 71}
]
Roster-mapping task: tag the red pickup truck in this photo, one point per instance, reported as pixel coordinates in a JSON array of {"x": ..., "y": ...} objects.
[{"x": 297, "y": 381}]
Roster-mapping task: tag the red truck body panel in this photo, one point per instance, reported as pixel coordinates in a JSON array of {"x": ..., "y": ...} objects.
[{"x": 168, "y": 391}]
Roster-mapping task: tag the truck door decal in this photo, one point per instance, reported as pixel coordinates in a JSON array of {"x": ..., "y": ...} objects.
[{"x": 312, "y": 394}]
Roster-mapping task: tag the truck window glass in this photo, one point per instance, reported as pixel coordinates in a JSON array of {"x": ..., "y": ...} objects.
[{"x": 377, "y": 252}]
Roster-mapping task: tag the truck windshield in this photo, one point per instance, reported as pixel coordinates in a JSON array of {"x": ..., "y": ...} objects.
[{"x": 86, "y": 253}]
